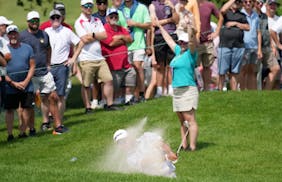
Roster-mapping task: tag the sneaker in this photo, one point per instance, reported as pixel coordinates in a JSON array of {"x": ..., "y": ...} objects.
[
  {"x": 112, "y": 108},
  {"x": 23, "y": 135},
  {"x": 45, "y": 126},
  {"x": 32, "y": 132},
  {"x": 88, "y": 111},
  {"x": 60, "y": 130},
  {"x": 94, "y": 104},
  {"x": 10, "y": 138}
]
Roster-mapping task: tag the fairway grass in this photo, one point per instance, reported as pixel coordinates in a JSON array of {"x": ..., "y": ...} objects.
[{"x": 239, "y": 140}]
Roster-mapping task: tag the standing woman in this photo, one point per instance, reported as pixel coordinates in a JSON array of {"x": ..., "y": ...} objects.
[{"x": 185, "y": 92}]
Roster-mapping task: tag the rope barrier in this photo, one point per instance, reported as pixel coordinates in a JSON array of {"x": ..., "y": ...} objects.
[{"x": 54, "y": 66}]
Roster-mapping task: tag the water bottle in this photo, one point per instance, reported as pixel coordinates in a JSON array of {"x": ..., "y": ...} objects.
[
  {"x": 199, "y": 79},
  {"x": 167, "y": 11}
]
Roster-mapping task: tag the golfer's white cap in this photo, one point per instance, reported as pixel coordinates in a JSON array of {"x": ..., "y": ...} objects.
[
  {"x": 120, "y": 134},
  {"x": 12, "y": 28},
  {"x": 183, "y": 37},
  {"x": 32, "y": 14}
]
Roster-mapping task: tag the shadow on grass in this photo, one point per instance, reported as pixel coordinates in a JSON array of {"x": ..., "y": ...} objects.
[{"x": 204, "y": 145}]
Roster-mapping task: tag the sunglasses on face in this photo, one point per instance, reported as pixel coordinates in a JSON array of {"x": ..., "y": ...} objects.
[
  {"x": 181, "y": 42},
  {"x": 113, "y": 16},
  {"x": 55, "y": 17},
  {"x": 88, "y": 5},
  {"x": 248, "y": 2},
  {"x": 35, "y": 20}
]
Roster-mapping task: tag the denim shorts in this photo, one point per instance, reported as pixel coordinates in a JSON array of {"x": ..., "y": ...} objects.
[
  {"x": 230, "y": 60},
  {"x": 61, "y": 75}
]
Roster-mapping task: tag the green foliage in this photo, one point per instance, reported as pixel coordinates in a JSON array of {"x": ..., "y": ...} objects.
[{"x": 239, "y": 140}]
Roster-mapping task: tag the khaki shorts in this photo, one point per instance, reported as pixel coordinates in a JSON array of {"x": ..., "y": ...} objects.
[
  {"x": 185, "y": 98},
  {"x": 269, "y": 59},
  {"x": 94, "y": 69},
  {"x": 205, "y": 54},
  {"x": 136, "y": 55}
]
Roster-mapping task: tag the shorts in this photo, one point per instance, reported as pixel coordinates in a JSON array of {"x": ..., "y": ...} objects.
[
  {"x": 25, "y": 99},
  {"x": 269, "y": 59},
  {"x": 45, "y": 84},
  {"x": 185, "y": 98},
  {"x": 205, "y": 54},
  {"x": 124, "y": 78},
  {"x": 94, "y": 69},
  {"x": 250, "y": 57},
  {"x": 163, "y": 52},
  {"x": 61, "y": 75},
  {"x": 136, "y": 55},
  {"x": 229, "y": 60}
]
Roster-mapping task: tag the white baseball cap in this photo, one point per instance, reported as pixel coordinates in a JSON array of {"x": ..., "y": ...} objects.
[
  {"x": 5, "y": 21},
  {"x": 32, "y": 14},
  {"x": 183, "y": 37},
  {"x": 111, "y": 11},
  {"x": 83, "y": 2},
  {"x": 12, "y": 28},
  {"x": 120, "y": 134}
]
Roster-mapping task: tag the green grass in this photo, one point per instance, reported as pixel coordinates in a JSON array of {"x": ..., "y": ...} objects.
[{"x": 239, "y": 140}]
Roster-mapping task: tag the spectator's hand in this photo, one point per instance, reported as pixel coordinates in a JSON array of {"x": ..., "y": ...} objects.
[
  {"x": 131, "y": 23},
  {"x": 149, "y": 51},
  {"x": 18, "y": 85},
  {"x": 70, "y": 62},
  {"x": 73, "y": 69},
  {"x": 212, "y": 36},
  {"x": 279, "y": 46},
  {"x": 230, "y": 24},
  {"x": 260, "y": 55}
]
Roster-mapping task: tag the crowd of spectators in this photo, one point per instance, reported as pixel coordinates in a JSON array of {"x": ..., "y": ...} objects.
[{"x": 121, "y": 57}]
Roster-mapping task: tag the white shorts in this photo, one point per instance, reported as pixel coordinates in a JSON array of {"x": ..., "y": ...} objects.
[
  {"x": 45, "y": 84},
  {"x": 136, "y": 55}
]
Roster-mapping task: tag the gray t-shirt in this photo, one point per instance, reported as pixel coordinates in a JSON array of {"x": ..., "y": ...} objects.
[{"x": 40, "y": 45}]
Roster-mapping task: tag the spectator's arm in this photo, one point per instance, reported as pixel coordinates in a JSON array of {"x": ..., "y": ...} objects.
[
  {"x": 120, "y": 40},
  {"x": 91, "y": 37},
  {"x": 259, "y": 53},
  {"x": 226, "y": 6},
  {"x": 274, "y": 38},
  {"x": 30, "y": 72},
  {"x": 167, "y": 38},
  {"x": 2, "y": 61}
]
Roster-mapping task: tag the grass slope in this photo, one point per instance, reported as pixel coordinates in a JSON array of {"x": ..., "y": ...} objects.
[{"x": 239, "y": 140}]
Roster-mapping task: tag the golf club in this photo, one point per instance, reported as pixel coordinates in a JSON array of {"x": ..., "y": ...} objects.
[{"x": 186, "y": 124}]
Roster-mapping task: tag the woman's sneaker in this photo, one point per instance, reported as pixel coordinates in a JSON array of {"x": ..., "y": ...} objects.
[{"x": 60, "y": 130}]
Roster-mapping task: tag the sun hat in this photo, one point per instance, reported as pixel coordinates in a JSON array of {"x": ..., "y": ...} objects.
[
  {"x": 5, "y": 21},
  {"x": 120, "y": 134},
  {"x": 32, "y": 14},
  {"x": 83, "y": 2},
  {"x": 12, "y": 28},
  {"x": 111, "y": 11}
]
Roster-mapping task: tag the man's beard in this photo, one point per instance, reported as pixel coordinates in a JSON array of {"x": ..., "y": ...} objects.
[{"x": 33, "y": 28}]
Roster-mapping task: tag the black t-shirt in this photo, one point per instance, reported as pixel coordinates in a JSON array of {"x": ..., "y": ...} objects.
[
  {"x": 233, "y": 36},
  {"x": 40, "y": 44}
]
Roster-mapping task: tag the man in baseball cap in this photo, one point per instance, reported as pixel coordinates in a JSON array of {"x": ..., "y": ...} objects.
[{"x": 4, "y": 22}]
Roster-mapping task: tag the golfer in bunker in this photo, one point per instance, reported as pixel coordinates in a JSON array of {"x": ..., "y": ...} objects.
[{"x": 147, "y": 154}]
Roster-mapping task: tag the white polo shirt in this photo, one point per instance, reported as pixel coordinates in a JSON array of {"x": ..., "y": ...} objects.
[
  {"x": 277, "y": 27},
  {"x": 91, "y": 51},
  {"x": 61, "y": 40},
  {"x": 3, "y": 46}
]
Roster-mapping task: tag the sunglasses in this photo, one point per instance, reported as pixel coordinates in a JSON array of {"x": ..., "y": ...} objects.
[
  {"x": 88, "y": 5},
  {"x": 35, "y": 20},
  {"x": 100, "y": 3},
  {"x": 55, "y": 17},
  {"x": 248, "y": 2},
  {"x": 113, "y": 16},
  {"x": 181, "y": 42}
]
